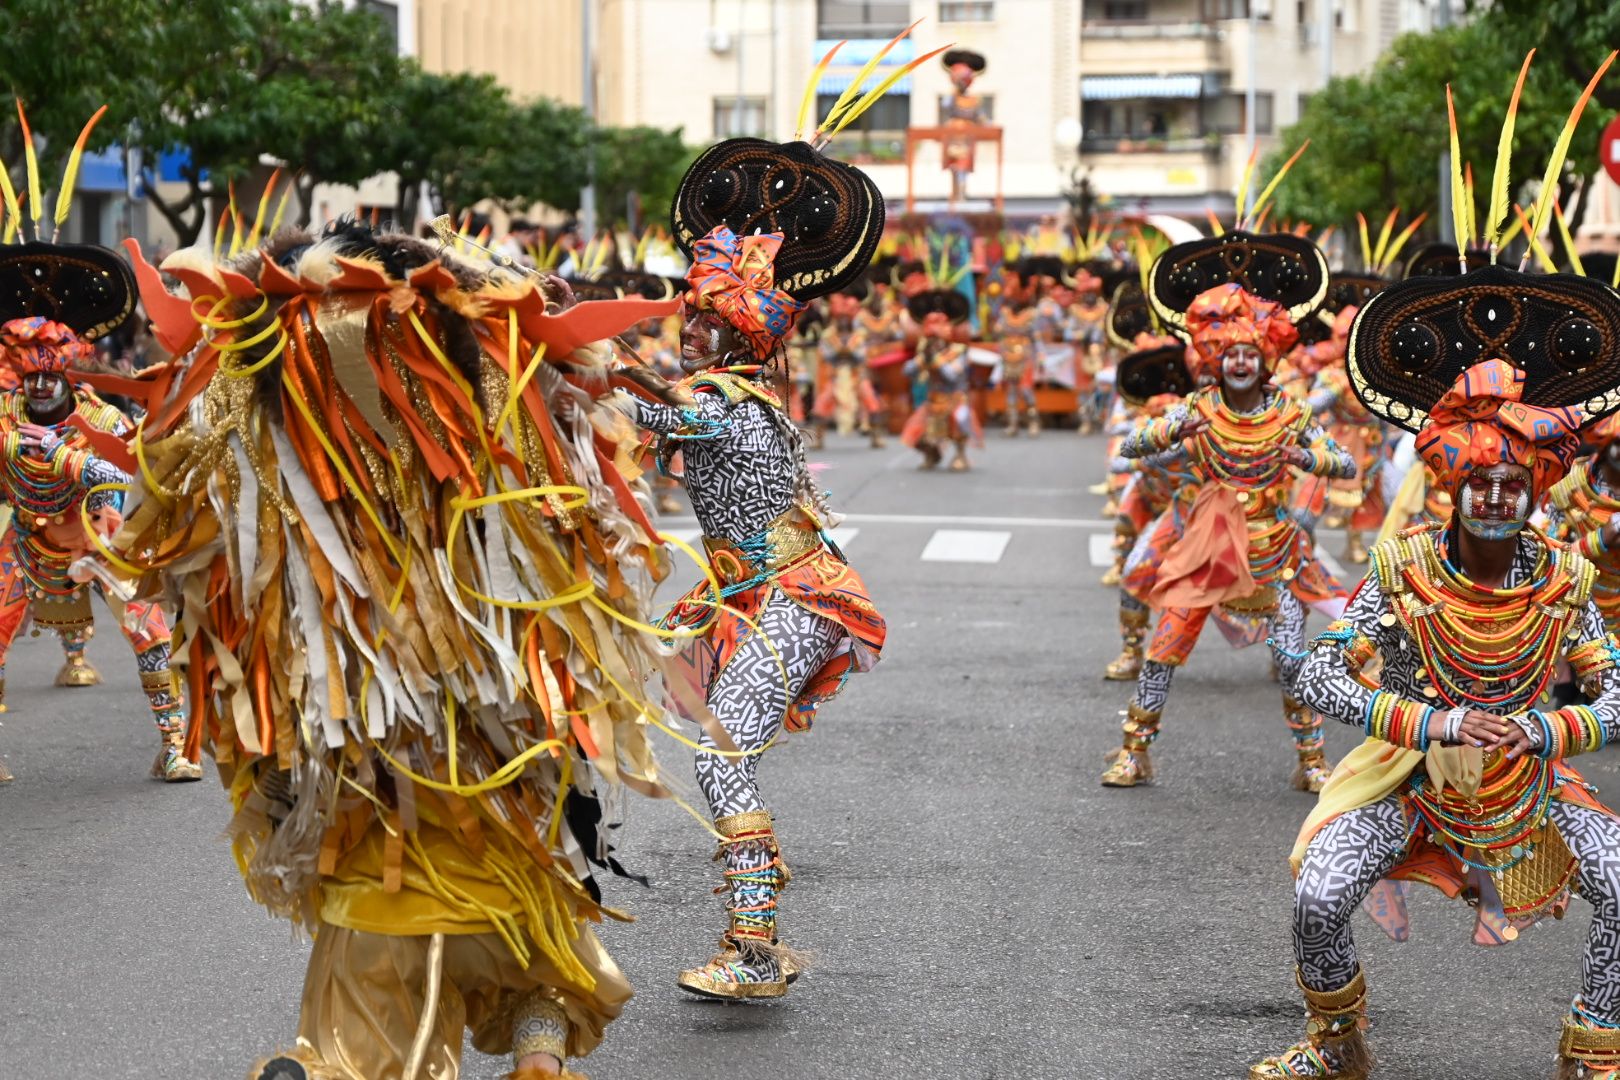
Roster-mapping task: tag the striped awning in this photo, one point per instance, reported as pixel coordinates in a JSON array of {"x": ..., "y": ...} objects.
[
  {"x": 836, "y": 82},
  {"x": 1119, "y": 87}
]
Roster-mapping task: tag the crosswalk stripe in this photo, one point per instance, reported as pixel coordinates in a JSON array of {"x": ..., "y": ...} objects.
[
  {"x": 966, "y": 545},
  {"x": 1102, "y": 549}
]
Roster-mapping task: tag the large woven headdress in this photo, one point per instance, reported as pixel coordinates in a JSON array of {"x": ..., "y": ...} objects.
[
  {"x": 830, "y": 214},
  {"x": 85, "y": 287},
  {"x": 1411, "y": 342}
]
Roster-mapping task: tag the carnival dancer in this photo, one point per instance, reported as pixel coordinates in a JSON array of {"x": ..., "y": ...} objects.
[
  {"x": 377, "y": 482},
  {"x": 961, "y": 109},
  {"x": 1238, "y": 547},
  {"x": 791, "y": 619},
  {"x": 1463, "y": 782},
  {"x": 1152, "y": 379},
  {"x": 847, "y": 399},
  {"x": 1080, "y": 314},
  {"x": 1359, "y": 500},
  {"x": 1015, "y": 330},
  {"x": 53, "y": 478},
  {"x": 1580, "y": 508},
  {"x": 939, "y": 374}
]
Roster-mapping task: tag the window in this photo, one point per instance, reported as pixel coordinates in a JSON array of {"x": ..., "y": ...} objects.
[
  {"x": 861, "y": 18},
  {"x": 1264, "y": 120},
  {"x": 1235, "y": 9},
  {"x": 879, "y": 133},
  {"x": 1116, "y": 10},
  {"x": 966, "y": 10},
  {"x": 1223, "y": 114},
  {"x": 388, "y": 12},
  {"x": 731, "y": 122}
]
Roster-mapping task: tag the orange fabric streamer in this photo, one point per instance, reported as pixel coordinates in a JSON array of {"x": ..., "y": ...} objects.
[{"x": 1209, "y": 565}]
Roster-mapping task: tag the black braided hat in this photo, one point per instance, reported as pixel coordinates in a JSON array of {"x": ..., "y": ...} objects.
[
  {"x": 951, "y": 303},
  {"x": 85, "y": 287},
  {"x": 1280, "y": 267},
  {"x": 830, "y": 214},
  {"x": 1128, "y": 315},
  {"x": 1410, "y": 342},
  {"x": 1147, "y": 373}
]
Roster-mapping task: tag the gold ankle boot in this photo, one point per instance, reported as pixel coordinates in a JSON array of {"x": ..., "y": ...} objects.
[
  {"x": 749, "y": 963},
  {"x": 1131, "y": 764},
  {"x": 1333, "y": 1047},
  {"x": 1133, "y": 633},
  {"x": 1312, "y": 772},
  {"x": 1588, "y": 1053},
  {"x": 76, "y": 671},
  {"x": 1355, "y": 549}
]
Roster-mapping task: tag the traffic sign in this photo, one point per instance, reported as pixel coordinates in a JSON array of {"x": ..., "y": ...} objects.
[{"x": 1609, "y": 149}]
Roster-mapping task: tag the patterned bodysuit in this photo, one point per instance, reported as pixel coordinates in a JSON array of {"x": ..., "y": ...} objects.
[
  {"x": 743, "y": 463},
  {"x": 1350, "y": 853}
]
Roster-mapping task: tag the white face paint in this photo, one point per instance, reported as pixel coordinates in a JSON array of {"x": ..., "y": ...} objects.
[
  {"x": 1241, "y": 368},
  {"x": 1611, "y": 454},
  {"x": 1494, "y": 502}
]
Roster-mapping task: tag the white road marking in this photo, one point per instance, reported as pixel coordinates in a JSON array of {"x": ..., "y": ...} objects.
[
  {"x": 964, "y": 545},
  {"x": 671, "y": 524},
  {"x": 1102, "y": 549},
  {"x": 1336, "y": 568}
]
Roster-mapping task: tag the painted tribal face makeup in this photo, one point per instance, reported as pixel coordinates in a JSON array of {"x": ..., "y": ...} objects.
[
  {"x": 1494, "y": 501},
  {"x": 1241, "y": 368}
]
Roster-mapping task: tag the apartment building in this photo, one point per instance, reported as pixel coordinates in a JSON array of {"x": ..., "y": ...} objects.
[{"x": 1151, "y": 96}]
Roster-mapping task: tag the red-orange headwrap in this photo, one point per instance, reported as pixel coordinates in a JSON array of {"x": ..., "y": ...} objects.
[
  {"x": 1604, "y": 432},
  {"x": 1480, "y": 422},
  {"x": 736, "y": 278},
  {"x": 34, "y": 345},
  {"x": 1226, "y": 315}
]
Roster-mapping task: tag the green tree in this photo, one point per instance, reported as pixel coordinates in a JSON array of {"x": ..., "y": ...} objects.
[
  {"x": 1376, "y": 138},
  {"x": 638, "y": 167}
]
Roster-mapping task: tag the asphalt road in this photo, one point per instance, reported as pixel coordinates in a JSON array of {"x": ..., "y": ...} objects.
[{"x": 979, "y": 906}]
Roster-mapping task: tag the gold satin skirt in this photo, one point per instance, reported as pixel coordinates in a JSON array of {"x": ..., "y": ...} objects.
[{"x": 364, "y": 996}]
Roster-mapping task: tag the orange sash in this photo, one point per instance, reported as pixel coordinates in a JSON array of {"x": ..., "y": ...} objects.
[{"x": 1209, "y": 565}]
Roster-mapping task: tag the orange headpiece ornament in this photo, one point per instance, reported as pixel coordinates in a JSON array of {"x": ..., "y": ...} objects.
[
  {"x": 36, "y": 345},
  {"x": 1227, "y": 315},
  {"x": 1481, "y": 421},
  {"x": 736, "y": 278}
]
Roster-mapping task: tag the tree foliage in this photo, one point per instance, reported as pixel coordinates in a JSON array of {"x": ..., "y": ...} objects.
[
  {"x": 1377, "y": 138},
  {"x": 314, "y": 86}
]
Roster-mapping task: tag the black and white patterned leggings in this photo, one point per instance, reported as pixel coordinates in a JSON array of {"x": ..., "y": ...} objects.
[
  {"x": 751, "y": 697},
  {"x": 1354, "y": 851}
]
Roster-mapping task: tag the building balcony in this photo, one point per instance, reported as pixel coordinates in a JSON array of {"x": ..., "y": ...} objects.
[
  {"x": 1158, "y": 173},
  {"x": 1149, "y": 48},
  {"x": 1150, "y": 144}
]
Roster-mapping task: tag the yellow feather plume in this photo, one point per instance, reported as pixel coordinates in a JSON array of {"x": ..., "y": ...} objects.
[
  {"x": 1383, "y": 239},
  {"x": 1567, "y": 239},
  {"x": 855, "y": 85},
  {"x": 70, "y": 175},
  {"x": 871, "y": 97},
  {"x": 1243, "y": 186},
  {"x": 810, "y": 90},
  {"x": 264, "y": 204},
  {"x": 1496, "y": 214},
  {"x": 1366, "y": 244},
  {"x": 13, "y": 207},
  {"x": 1535, "y": 248},
  {"x": 281, "y": 206},
  {"x": 1265, "y": 195},
  {"x": 1459, "y": 192},
  {"x": 1399, "y": 242},
  {"x": 35, "y": 202},
  {"x": 1549, "y": 182}
]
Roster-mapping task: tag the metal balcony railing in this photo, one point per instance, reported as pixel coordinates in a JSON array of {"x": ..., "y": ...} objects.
[
  {"x": 1138, "y": 31},
  {"x": 1209, "y": 145}
]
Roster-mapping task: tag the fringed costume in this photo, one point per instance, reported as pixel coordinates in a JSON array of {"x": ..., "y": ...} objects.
[{"x": 409, "y": 565}]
